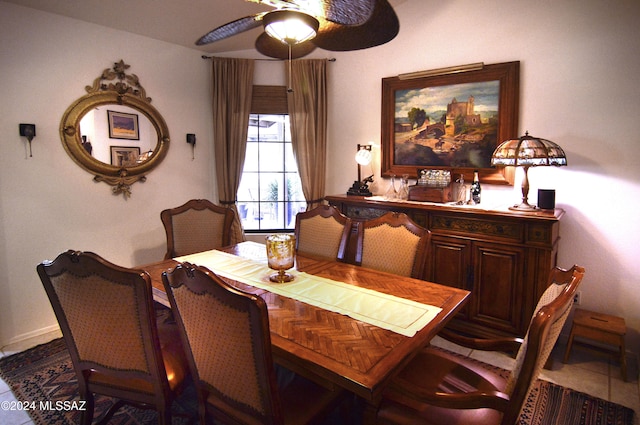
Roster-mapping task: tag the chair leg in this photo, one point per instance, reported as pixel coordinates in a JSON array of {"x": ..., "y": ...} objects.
[
  {"x": 202, "y": 404},
  {"x": 112, "y": 410},
  {"x": 623, "y": 359},
  {"x": 569, "y": 346},
  {"x": 202, "y": 413},
  {"x": 164, "y": 415},
  {"x": 87, "y": 414}
]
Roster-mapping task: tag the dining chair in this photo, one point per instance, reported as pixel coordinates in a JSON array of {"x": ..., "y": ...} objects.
[
  {"x": 324, "y": 232},
  {"x": 229, "y": 352},
  {"x": 439, "y": 387},
  {"x": 392, "y": 243},
  {"x": 108, "y": 321},
  {"x": 197, "y": 225}
]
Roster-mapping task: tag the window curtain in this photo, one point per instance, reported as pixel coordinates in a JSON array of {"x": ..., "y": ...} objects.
[
  {"x": 308, "y": 116},
  {"x": 232, "y": 91}
]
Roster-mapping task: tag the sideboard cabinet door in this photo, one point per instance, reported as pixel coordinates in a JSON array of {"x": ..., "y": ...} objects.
[
  {"x": 497, "y": 300},
  {"x": 449, "y": 263},
  {"x": 493, "y": 275}
]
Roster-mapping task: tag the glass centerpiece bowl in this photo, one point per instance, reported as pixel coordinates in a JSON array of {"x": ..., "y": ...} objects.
[{"x": 281, "y": 255}]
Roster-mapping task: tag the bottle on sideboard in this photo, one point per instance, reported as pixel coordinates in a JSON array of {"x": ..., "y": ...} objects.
[{"x": 475, "y": 188}]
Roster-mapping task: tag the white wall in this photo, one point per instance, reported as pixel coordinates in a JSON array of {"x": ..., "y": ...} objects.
[
  {"x": 47, "y": 203},
  {"x": 580, "y": 87}
]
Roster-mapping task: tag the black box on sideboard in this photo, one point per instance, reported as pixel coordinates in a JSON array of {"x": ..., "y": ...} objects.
[{"x": 546, "y": 199}]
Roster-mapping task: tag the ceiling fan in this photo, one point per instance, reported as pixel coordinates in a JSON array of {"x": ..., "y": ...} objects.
[{"x": 297, "y": 27}]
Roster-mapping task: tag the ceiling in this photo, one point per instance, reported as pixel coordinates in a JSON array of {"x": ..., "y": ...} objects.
[{"x": 174, "y": 21}]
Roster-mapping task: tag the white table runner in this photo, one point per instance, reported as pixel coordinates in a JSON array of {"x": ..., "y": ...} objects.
[{"x": 400, "y": 315}]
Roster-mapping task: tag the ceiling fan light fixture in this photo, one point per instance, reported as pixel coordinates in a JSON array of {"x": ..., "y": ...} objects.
[{"x": 290, "y": 26}]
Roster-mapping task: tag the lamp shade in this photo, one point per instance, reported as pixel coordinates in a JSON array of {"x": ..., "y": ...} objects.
[
  {"x": 290, "y": 26},
  {"x": 363, "y": 156},
  {"x": 528, "y": 151}
]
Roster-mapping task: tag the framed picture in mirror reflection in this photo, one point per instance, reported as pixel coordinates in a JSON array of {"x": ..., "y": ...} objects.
[
  {"x": 123, "y": 125},
  {"x": 124, "y": 156}
]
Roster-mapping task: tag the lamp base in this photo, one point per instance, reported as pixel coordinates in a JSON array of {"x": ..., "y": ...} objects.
[
  {"x": 359, "y": 189},
  {"x": 524, "y": 207},
  {"x": 364, "y": 192}
]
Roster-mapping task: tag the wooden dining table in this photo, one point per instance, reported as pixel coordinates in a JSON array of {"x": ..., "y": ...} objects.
[{"x": 331, "y": 348}]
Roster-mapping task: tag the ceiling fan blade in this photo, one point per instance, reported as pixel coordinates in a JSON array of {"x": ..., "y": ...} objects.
[
  {"x": 344, "y": 12},
  {"x": 381, "y": 28},
  {"x": 232, "y": 28},
  {"x": 348, "y": 12},
  {"x": 273, "y": 48}
]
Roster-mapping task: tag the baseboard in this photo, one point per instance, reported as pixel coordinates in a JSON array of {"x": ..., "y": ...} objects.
[{"x": 33, "y": 337}]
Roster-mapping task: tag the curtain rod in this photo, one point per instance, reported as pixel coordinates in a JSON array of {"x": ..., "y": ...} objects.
[{"x": 268, "y": 60}]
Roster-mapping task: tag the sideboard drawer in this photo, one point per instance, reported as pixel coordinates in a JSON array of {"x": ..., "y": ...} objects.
[
  {"x": 364, "y": 213},
  {"x": 468, "y": 226}
]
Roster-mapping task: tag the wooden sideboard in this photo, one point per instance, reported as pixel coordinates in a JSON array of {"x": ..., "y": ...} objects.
[{"x": 502, "y": 257}]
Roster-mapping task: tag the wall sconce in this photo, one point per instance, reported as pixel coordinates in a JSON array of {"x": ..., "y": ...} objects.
[
  {"x": 528, "y": 151},
  {"x": 28, "y": 131},
  {"x": 191, "y": 139},
  {"x": 360, "y": 187},
  {"x": 143, "y": 157}
]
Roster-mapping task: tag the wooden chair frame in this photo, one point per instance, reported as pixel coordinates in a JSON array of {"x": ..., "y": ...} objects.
[
  {"x": 142, "y": 388},
  {"x": 167, "y": 216},
  {"x": 299, "y": 403},
  {"x": 535, "y": 355}
]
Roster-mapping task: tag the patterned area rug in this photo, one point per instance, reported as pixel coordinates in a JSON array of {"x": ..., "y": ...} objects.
[
  {"x": 43, "y": 378},
  {"x": 45, "y": 374},
  {"x": 551, "y": 404}
]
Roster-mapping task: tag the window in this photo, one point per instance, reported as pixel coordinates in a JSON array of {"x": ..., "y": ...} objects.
[{"x": 270, "y": 193}]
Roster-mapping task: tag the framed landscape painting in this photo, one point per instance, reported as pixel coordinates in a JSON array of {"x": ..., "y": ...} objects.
[{"x": 452, "y": 121}]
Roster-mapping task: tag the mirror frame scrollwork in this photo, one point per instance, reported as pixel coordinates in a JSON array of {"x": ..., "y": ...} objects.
[{"x": 114, "y": 86}]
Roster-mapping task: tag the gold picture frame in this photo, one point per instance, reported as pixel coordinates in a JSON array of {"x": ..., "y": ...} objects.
[{"x": 450, "y": 120}]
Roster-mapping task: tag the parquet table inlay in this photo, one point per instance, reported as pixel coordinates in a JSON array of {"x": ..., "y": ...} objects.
[{"x": 332, "y": 348}]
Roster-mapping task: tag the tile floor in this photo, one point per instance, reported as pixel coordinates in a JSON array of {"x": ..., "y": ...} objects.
[{"x": 587, "y": 371}]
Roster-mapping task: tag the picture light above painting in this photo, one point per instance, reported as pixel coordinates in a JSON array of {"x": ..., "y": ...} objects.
[{"x": 451, "y": 119}]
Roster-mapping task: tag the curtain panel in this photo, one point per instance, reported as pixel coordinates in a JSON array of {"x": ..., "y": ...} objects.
[
  {"x": 232, "y": 92},
  {"x": 307, "y": 102}
]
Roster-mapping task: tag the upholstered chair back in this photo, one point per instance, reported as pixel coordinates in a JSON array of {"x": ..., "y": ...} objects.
[
  {"x": 393, "y": 243},
  {"x": 196, "y": 226},
  {"x": 323, "y": 232}
]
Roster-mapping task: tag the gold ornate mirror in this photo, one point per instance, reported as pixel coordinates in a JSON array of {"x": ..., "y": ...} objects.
[{"x": 113, "y": 131}]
